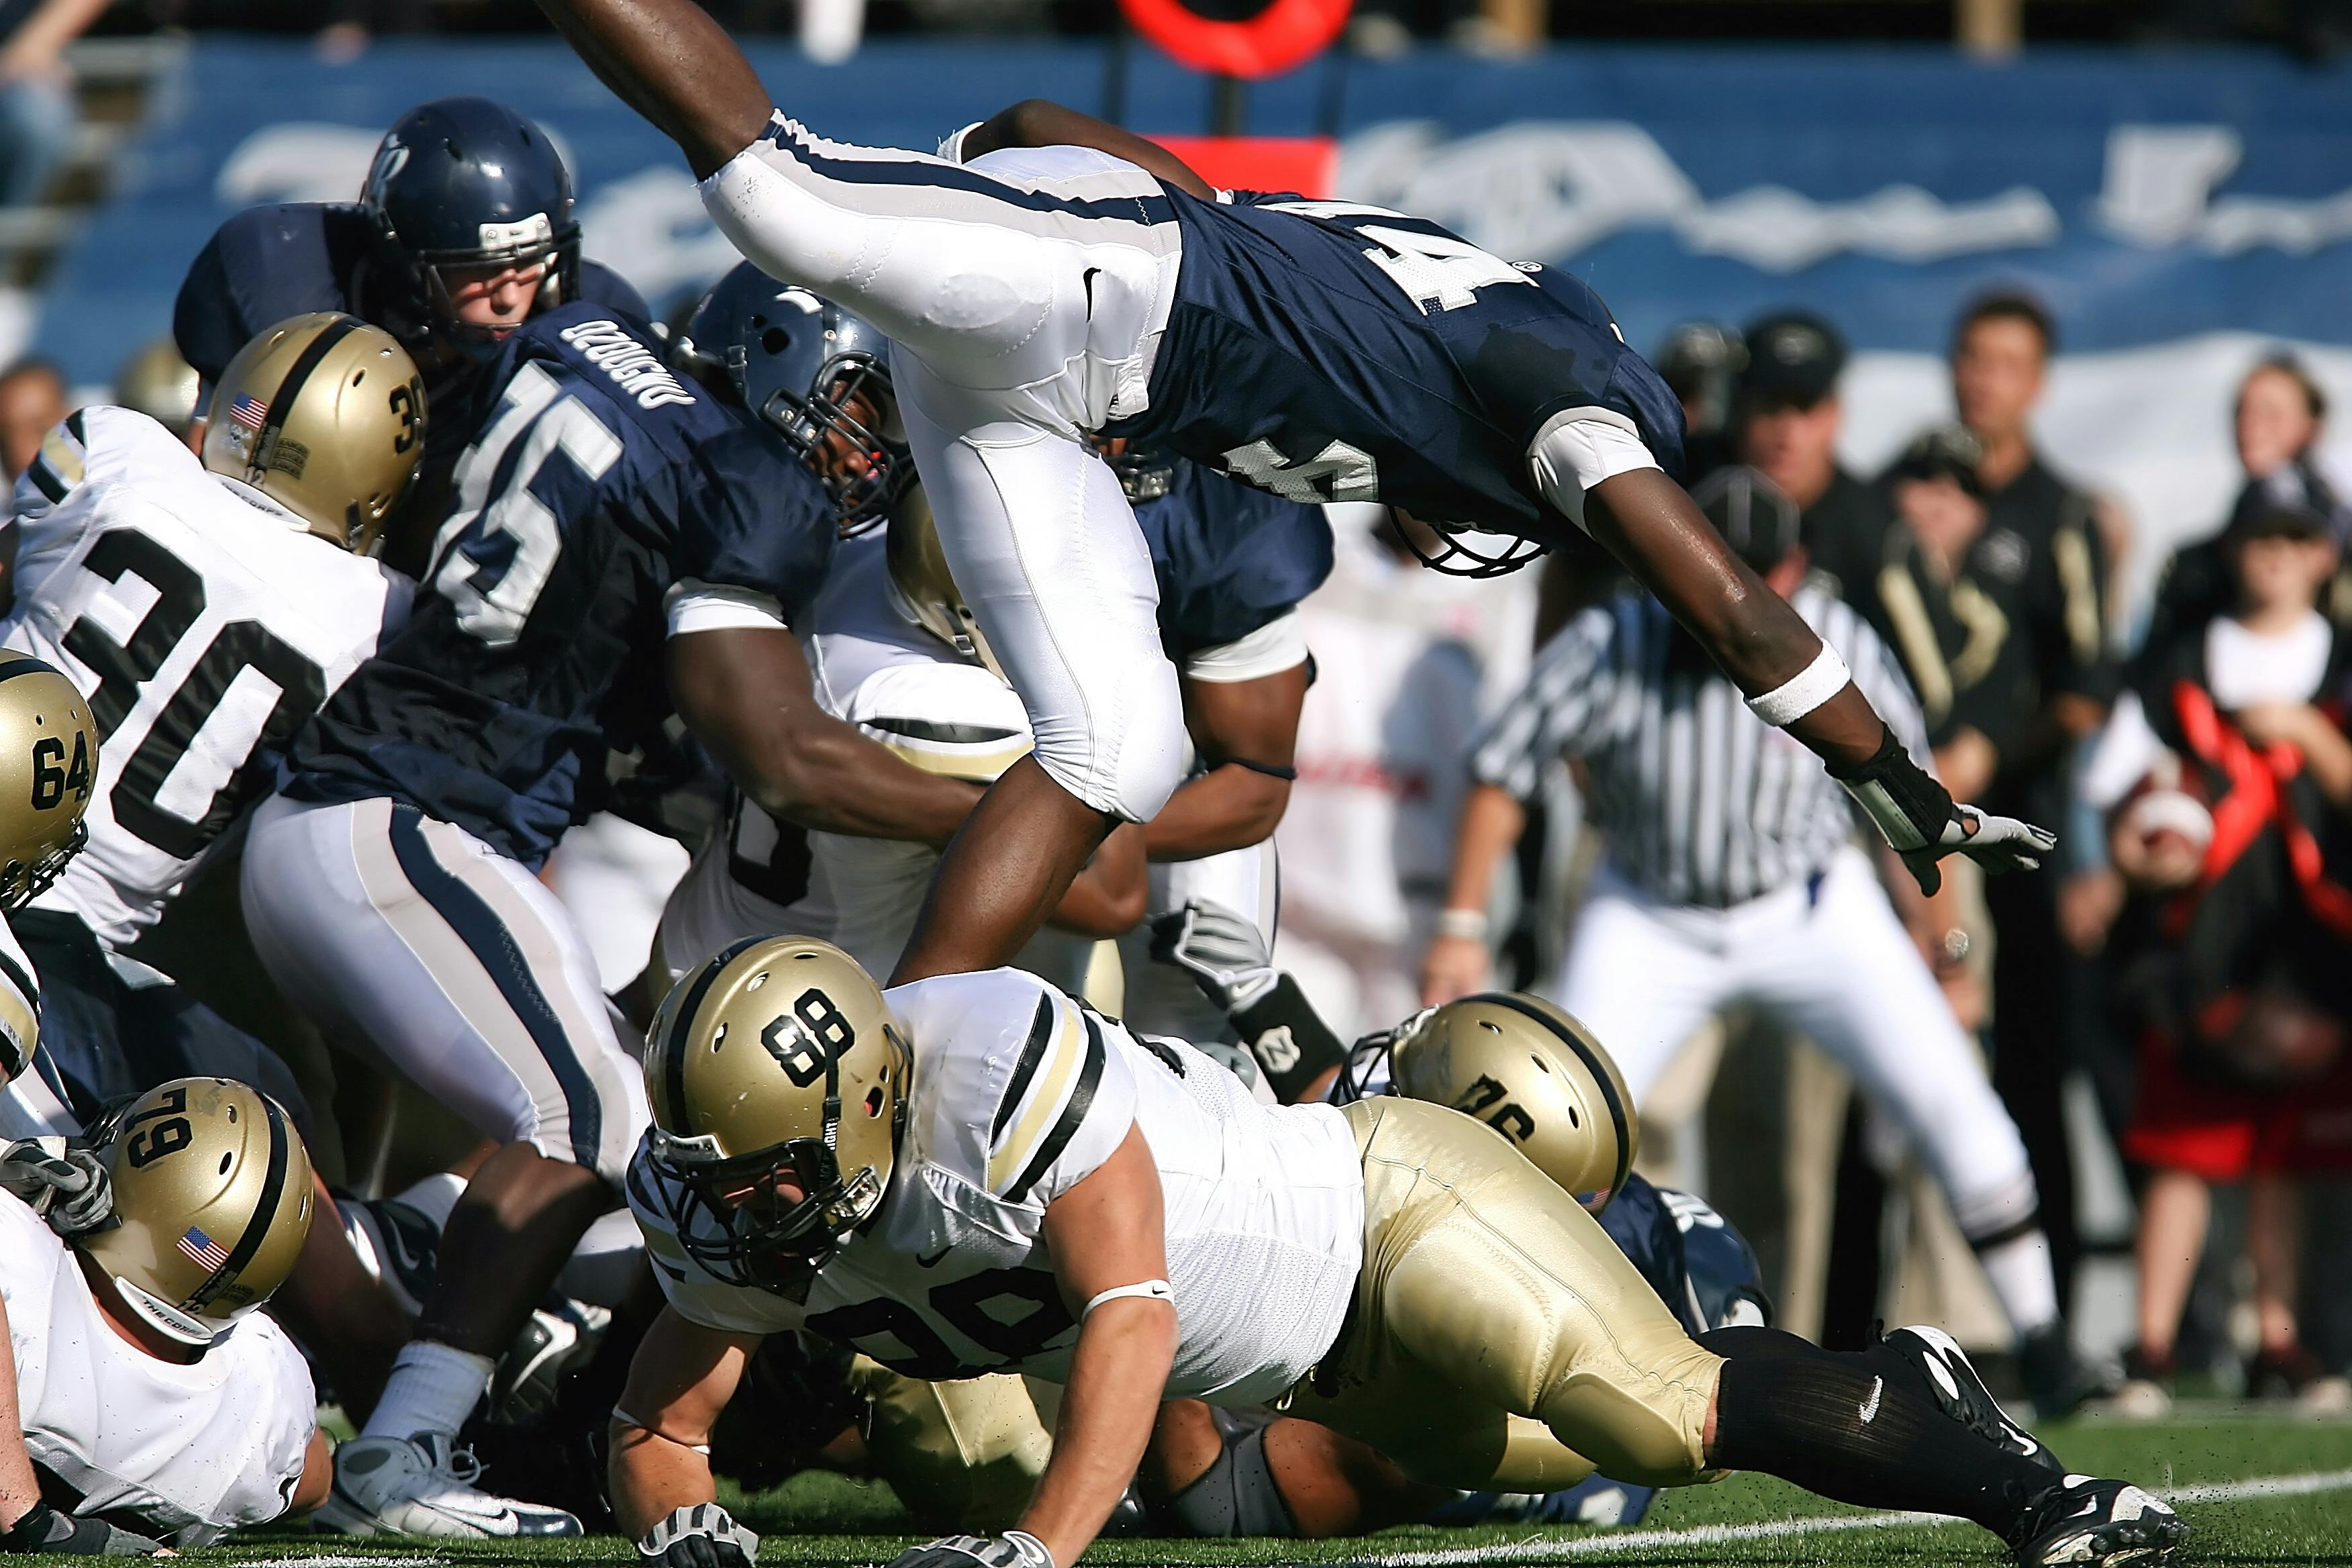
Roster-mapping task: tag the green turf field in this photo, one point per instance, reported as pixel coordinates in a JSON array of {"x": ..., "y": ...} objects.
[{"x": 2259, "y": 1491}]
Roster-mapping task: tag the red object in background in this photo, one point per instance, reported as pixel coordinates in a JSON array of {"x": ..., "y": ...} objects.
[
  {"x": 1285, "y": 33},
  {"x": 1307, "y": 164}
]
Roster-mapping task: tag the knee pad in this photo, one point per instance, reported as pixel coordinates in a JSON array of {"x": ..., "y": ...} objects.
[{"x": 1237, "y": 1496}]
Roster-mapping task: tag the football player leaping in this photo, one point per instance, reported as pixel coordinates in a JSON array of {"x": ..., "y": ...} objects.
[
  {"x": 1322, "y": 350},
  {"x": 974, "y": 1174}
]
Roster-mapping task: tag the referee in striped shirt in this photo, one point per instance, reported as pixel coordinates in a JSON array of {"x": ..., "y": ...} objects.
[{"x": 1732, "y": 875}]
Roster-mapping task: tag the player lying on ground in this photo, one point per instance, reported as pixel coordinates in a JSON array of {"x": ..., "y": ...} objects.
[
  {"x": 975, "y": 1173},
  {"x": 148, "y": 1402},
  {"x": 1321, "y": 351}
]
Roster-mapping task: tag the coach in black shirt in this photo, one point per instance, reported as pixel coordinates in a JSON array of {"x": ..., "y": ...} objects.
[
  {"x": 1785, "y": 422},
  {"x": 2041, "y": 562}
]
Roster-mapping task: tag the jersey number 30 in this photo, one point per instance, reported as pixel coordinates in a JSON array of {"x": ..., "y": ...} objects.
[{"x": 189, "y": 821}]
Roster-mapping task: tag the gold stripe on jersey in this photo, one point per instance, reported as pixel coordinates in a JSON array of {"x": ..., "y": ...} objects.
[
  {"x": 1059, "y": 1065},
  {"x": 20, "y": 1030},
  {"x": 969, "y": 763}
]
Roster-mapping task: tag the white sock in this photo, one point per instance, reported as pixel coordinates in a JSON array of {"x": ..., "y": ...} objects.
[
  {"x": 2020, "y": 1272},
  {"x": 433, "y": 1388},
  {"x": 435, "y": 1197}
]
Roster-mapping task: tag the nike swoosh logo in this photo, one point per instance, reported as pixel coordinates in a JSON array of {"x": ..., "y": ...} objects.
[
  {"x": 932, "y": 1261},
  {"x": 1870, "y": 1406},
  {"x": 1088, "y": 278}
]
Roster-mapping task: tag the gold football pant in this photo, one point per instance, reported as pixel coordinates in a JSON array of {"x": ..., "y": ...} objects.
[
  {"x": 961, "y": 1456},
  {"x": 1499, "y": 1340}
]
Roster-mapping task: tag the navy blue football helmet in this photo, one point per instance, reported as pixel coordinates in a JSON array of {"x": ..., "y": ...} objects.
[
  {"x": 466, "y": 182},
  {"x": 807, "y": 368}
]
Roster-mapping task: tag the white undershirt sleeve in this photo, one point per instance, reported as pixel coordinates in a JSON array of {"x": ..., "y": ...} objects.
[
  {"x": 1577, "y": 448},
  {"x": 691, "y": 606}
]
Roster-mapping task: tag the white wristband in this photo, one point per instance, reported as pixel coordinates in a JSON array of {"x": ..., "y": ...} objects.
[
  {"x": 1469, "y": 924},
  {"x": 1812, "y": 685},
  {"x": 1148, "y": 1289}
]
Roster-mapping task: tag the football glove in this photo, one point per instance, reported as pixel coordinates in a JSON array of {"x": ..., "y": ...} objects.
[
  {"x": 1221, "y": 951},
  {"x": 1014, "y": 1549},
  {"x": 700, "y": 1535},
  {"x": 1918, "y": 818},
  {"x": 63, "y": 1182},
  {"x": 43, "y": 1530}
]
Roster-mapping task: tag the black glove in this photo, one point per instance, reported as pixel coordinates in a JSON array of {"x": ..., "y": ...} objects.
[
  {"x": 43, "y": 1528},
  {"x": 1014, "y": 1549},
  {"x": 1225, "y": 953},
  {"x": 63, "y": 1182},
  {"x": 1920, "y": 823},
  {"x": 700, "y": 1535}
]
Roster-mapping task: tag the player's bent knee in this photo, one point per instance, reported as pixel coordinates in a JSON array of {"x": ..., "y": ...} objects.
[{"x": 1130, "y": 766}]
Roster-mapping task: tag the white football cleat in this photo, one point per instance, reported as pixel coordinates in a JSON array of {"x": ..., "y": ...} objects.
[{"x": 425, "y": 1485}]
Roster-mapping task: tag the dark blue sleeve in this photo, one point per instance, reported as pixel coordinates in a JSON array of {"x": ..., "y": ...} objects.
[
  {"x": 600, "y": 285},
  {"x": 759, "y": 521},
  {"x": 260, "y": 266},
  {"x": 1229, "y": 558},
  {"x": 1578, "y": 358}
]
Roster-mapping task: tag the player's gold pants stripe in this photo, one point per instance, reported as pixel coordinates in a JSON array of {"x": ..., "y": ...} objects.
[{"x": 1499, "y": 1339}]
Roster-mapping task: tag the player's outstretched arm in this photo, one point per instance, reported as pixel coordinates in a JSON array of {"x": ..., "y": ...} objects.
[
  {"x": 1040, "y": 122},
  {"x": 747, "y": 694},
  {"x": 669, "y": 61},
  {"x": 1649, "y": 524},
  {"x": 681, "y": 1377},
  {"x": 1247, "y": 732},
  {"x": 1106, "y": 1236}
]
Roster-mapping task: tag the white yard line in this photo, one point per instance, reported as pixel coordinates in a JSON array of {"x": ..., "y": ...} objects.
[{"x": 1610, "y": 1541}]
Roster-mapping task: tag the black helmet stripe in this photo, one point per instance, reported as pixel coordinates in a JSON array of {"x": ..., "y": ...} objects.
[
  {"x": 290, "y": 388},
  {"x": 682, "y": 1025},
  {"x": 1619, "y": 1113},
  {"x": 265, "y": 1211}
]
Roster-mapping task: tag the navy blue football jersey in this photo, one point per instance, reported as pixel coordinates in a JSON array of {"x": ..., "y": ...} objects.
[
  {"x": 1230, "y": 559},
  {"x": 271, "y": 262},
  {"x": 1328, "y": 351},
  {"x": 1700, "y": 1266},
  {"x": 599, "y": 481}
]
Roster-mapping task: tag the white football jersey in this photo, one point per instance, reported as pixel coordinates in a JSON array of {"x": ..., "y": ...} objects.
[
  {"x": 204, "y": 624},
  {"x": 1018, "y": 1094},
  {"x": 194, "y": 1450},
  {"x": 915, "y": 695}
]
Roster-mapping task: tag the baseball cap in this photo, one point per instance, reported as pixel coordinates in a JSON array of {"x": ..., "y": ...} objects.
[
  {"x": 2294, "y": 500},
  {"x": 1943, "y": 452},
  {"x": 1793, "y": 358},
  {"x": 1754, "y": 515}
]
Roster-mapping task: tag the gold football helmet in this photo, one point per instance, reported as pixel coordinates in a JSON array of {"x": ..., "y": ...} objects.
[
  {"x": 48, "y": 760},
  {"x": 774, "y": 1060},
  {"x": 926, "y": 590},
  {"x": 212, "y": 1200},
  {"x": 1532, "y": 1073},
  {"x": 325, "y": 415},
  {"x": 161, "y": 384}
]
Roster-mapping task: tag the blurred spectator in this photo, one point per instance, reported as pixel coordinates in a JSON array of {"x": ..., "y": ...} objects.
[
  {"x": 2227, "y": 779},
  {"x": 1701, "y": 363},
  {"x": 2041, "y": 564},
  {"x": 1399, "y": 655},
  {"x": 36, "y": 96},
  {"x": 2280, "y": 415},
  {"x": 32, "y": 400},
  {"x": 1784, "y": 423}
]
